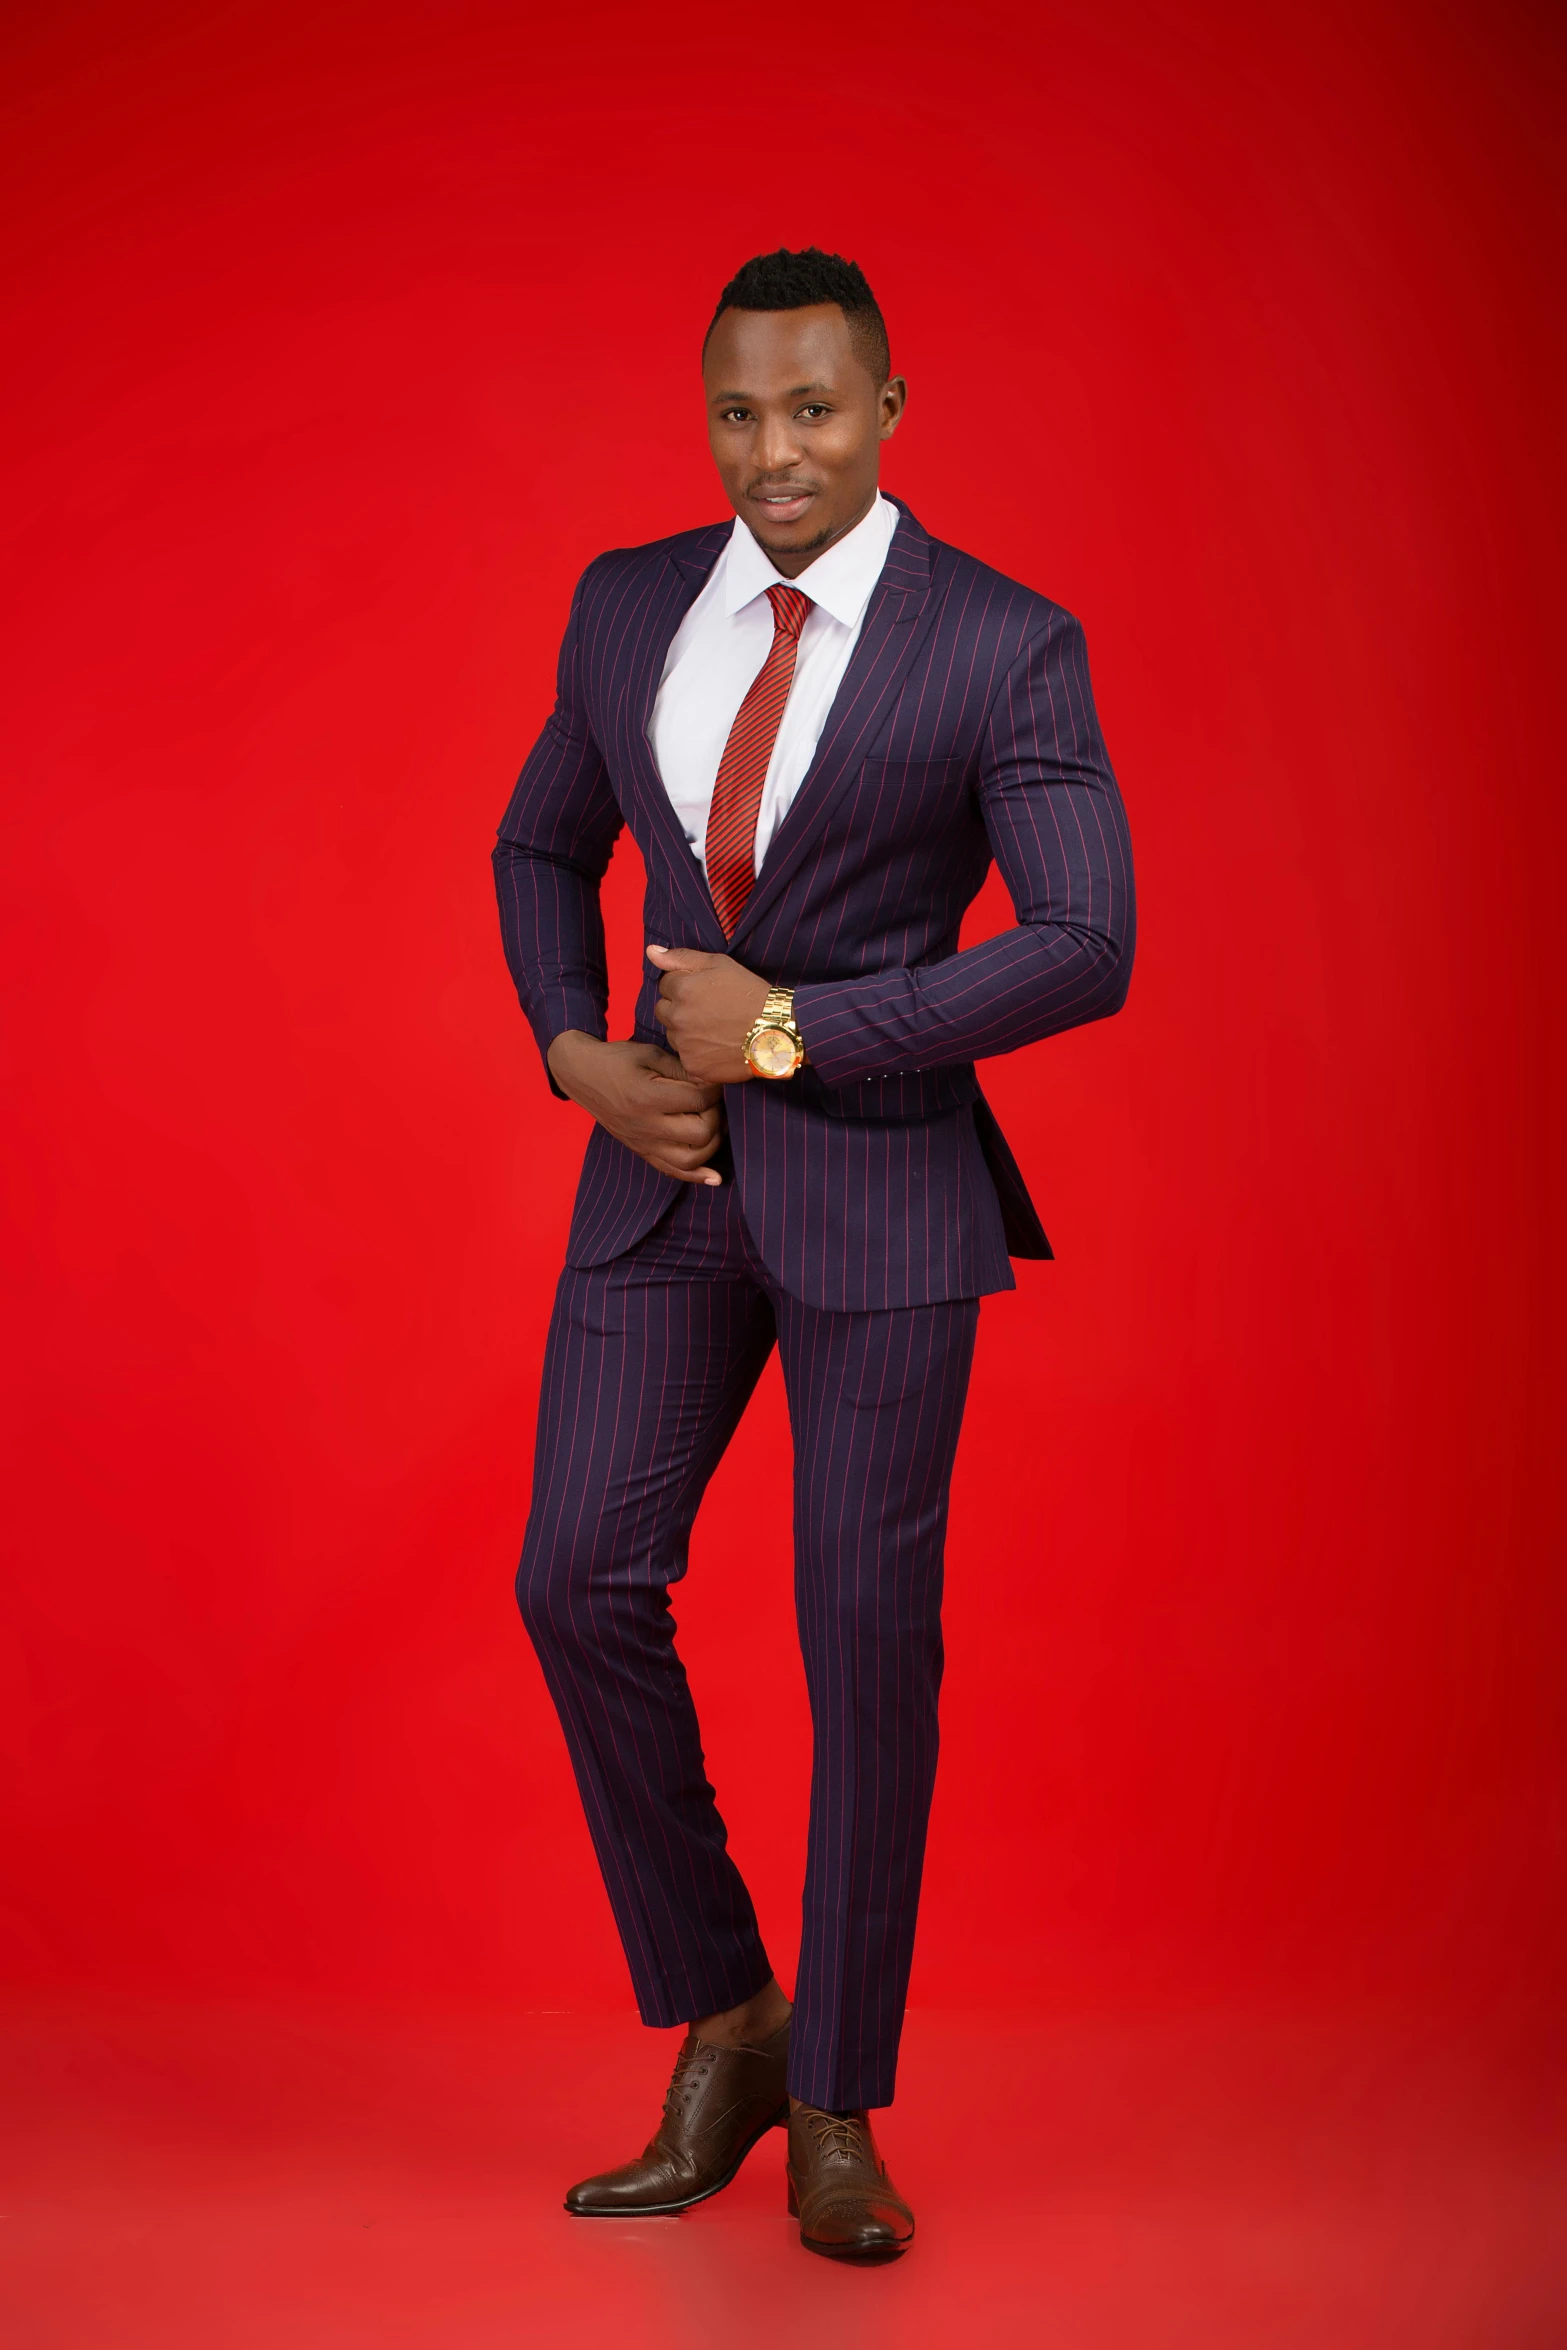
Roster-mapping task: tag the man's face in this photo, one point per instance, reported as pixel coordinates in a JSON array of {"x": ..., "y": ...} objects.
[{"x": 796, "y": 421}]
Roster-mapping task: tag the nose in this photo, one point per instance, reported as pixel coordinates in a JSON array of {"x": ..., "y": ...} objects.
[{"x": 777, "y": 445}]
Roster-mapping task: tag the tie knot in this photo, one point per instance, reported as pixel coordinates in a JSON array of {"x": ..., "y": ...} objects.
[{"x": 789, "y": 610}]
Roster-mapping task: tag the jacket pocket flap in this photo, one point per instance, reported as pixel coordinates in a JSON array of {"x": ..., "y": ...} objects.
[{"x": 927, "y": 1093}]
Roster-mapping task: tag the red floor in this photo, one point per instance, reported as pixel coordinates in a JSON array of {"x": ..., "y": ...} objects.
[{"x": 243, "y": 2179}]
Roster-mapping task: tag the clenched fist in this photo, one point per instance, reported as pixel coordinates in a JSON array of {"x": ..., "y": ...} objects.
[
  {"x": 707, "y": 1005},
  {"x": 645, "y": 1099}
]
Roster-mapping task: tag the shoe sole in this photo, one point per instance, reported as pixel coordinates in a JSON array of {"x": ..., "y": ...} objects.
[
  {"x": 865, "y": 2255},
  {"x": 779, "y": 2121}
]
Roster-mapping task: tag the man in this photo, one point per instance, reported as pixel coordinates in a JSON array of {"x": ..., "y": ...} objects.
[{"x": 821, "y": 725}]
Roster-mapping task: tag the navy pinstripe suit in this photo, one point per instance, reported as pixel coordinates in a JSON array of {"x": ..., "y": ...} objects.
[{"x": 874, "y": 1202}]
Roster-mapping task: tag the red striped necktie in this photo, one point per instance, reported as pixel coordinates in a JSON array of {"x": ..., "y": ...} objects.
[{"x": 742, "y": 771}]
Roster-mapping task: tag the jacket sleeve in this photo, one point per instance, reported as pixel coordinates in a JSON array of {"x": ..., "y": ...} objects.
[
  {"x": 1058, "y": 832},
  {"x": 550, "y": 856}
]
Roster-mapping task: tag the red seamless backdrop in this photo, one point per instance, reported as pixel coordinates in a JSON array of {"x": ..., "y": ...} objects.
[{"x": 342, "y": 337}]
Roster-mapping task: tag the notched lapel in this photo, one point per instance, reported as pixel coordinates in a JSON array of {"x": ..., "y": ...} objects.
[
  {"x": 696, "y": 561},
  {"x": 888, "y": 642}
]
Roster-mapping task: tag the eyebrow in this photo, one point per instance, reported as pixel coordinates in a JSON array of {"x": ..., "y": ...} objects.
[{"x": 793, "y": 393}]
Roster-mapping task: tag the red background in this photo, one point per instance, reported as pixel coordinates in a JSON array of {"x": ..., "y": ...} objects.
[{"x": 343, "y": 336}]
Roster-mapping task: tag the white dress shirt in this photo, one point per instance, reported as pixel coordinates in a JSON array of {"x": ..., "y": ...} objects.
[{"x": 723, "y": 642}]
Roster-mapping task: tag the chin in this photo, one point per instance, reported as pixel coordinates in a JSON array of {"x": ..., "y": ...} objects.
[{"x": 796, "y": 538}]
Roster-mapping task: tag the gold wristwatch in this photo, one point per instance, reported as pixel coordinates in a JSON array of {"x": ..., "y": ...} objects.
[{"x": 773, "y": 1045}]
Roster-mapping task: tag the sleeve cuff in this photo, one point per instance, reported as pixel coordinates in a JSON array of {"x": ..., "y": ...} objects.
[
  {"x": 565, "y": 1008},
  {"x": 836, "y": 1044}
]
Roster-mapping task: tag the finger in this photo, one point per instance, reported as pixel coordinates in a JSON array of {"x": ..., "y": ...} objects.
[
  {"x": 687, "y": 1102},
  {"x": 691, "y": 1174},
  {"x": 705, "y": 1086},
  {"x": 681, "y": 1144},
  {"x": 676, "y": 1094},
  {"x": 687, "y": 1161},
  {"x": 696, "y": 1130},
  {"x": 658, "y": 1063},
  {"x": 679, "y": 958},
  {"x": 668, "y": 1068},
  {"x": 676, "y": 1123}
]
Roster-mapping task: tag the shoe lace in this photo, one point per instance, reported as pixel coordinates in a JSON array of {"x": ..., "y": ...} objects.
[
  {"x": 694, "y": 2058},
  {"x": 840, "y": 2134}
]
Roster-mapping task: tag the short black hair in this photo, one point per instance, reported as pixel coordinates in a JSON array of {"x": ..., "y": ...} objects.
[{"x": 793, "y": 281}]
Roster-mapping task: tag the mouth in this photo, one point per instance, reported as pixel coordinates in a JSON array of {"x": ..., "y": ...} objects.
[{"x": 779, "y": 505}]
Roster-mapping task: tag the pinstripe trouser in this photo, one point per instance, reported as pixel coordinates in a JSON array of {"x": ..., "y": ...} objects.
[{"x": 650, "y": 1362}]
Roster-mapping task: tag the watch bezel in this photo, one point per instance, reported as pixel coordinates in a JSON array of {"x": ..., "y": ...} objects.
[{"x": 775, "y": 1027}]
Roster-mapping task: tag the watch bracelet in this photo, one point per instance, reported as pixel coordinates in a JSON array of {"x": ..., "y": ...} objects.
[{"x": 778, "y": 1009}]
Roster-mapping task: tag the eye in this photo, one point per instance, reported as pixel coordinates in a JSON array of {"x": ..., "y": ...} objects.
[
  {"x": 734, "y": 415},
  {"x": 815, "y": 408}
]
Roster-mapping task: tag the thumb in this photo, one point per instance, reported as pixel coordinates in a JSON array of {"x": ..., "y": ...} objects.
[{"x": 679, "y": 958}]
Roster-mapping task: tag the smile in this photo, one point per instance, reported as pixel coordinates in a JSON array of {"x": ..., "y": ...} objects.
[{"x": 782, "y": 505}]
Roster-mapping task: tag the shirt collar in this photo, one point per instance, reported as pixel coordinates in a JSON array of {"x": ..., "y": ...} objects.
[{"x": 840, "y": 581}]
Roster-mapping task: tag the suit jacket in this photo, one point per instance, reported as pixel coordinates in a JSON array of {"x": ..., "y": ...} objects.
[{"x": 964, "y": 730}]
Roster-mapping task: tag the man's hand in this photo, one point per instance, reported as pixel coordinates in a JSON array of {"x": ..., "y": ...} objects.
[
  {"x": 645, "y": 1099},
  {"x": 707, "y": 1004}
]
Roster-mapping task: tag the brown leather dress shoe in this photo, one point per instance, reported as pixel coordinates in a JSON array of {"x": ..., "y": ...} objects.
[
  {"x": 839, "y": 2190},
  {"x": 720, "y": 2101}
]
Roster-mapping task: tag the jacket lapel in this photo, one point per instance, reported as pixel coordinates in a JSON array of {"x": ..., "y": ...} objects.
[
  {"x": 675, "y": 588},
  {"x": 880, "y": 661}
]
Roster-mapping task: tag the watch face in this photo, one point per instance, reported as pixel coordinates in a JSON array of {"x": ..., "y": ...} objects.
[{"x": 773, "y": 1052}]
